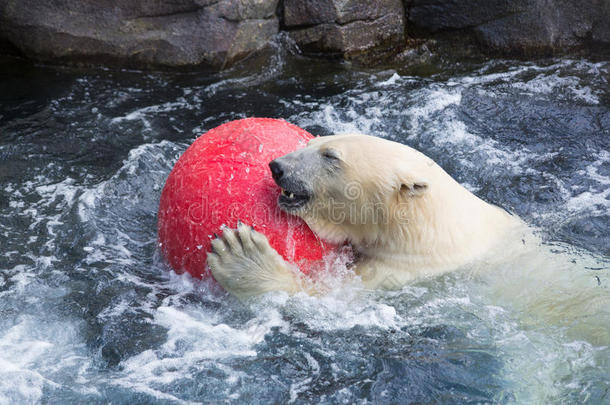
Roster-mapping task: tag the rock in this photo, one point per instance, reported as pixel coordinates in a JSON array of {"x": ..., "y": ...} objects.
[
  {"x": 518, "y": 27},
  {"x": 601, "y": 25},
  {"x": 437, "y": 15},
  {"x": 353, "y": 29},
  {"x": 211, "y": 33},
  {"x": 542, "y": 28},
  {"x": 303, "y": 13},
  {"x": 217, "y": 33}
]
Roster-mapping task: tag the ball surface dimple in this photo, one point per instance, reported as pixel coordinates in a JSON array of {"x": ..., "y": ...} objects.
[{"x": 224, "y": 177}]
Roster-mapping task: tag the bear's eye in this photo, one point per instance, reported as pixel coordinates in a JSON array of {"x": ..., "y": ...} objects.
[{"x": 330, "y": 154}]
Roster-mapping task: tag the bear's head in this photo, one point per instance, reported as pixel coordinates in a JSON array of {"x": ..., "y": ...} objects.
[{"x": 354, "y": 188}]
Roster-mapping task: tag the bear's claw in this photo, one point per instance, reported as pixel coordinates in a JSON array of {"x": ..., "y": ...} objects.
[{"x": 245, "y": 264}]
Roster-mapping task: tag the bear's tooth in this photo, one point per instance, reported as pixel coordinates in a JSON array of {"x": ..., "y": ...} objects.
[{"x": 291, "y": 195}]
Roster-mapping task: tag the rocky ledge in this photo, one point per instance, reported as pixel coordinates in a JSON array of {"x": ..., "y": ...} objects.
[
  {"x": 139, "y": 32},
  {"x": 217, "y": 33}
]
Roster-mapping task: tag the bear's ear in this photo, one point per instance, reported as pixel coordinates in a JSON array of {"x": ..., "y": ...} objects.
[
  {"x": 413, "y": 189},
  {"x": 315, "y": 140}
]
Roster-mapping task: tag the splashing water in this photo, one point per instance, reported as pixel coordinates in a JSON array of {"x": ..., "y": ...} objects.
[{"x": 89, "y": 313}]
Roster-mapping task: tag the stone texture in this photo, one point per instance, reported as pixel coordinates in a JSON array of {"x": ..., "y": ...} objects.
[
  {"x": 437, "y": 15},
  {"x": 217, "y": 33},
  {"x": 518, "y": 27},
  {"x": 545, "y": 26},
  {"x": 299, "y": 13},
  {"x": 350, "y": 28},
  {"x": 139, "y": 32},
  {"x": 601, "y": 23},
  {"x": 310, "y": 12}
]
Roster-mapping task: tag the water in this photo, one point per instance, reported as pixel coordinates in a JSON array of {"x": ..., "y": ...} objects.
[{"x": 90, "y": 314}]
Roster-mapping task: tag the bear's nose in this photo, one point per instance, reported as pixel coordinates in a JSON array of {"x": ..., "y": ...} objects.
[{"x": 276, "y": 170}]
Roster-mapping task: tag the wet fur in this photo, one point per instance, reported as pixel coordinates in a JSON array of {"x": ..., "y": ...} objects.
[
  {"x": 442, "y": 227},
  {"x": 404, "y": 215}
]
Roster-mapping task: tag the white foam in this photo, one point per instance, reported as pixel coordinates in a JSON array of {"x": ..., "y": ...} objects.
[
  {"x": 596, "y": 198},
  {"x": 344, "y": 308},
  {"x": 144, "y": 113},
  {"x": 33, "y": 354},
  {"x": 432, "y": 100},
  {"x": 390, "y": 81},
  {"x": 194, "y": 338},
  {"x": 39, "y": 354},
  {"x": 547, "y": 84}
]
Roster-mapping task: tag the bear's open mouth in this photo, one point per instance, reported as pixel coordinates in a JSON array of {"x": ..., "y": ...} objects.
[{"x": 289, "y": 200}]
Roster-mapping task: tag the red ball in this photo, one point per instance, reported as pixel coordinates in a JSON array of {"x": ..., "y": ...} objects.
[{"x": 224, "y": 177}]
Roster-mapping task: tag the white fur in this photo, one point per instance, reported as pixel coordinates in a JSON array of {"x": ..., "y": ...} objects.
[
  {"x": 436, "y": 228},
  {"x": 426, "y": 224},
  {"x": 244, "y": 263}
]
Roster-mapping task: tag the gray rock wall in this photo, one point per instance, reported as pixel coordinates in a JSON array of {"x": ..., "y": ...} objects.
[
  {"x": 518, "y": 27},
  {"x": 217, "y": 33},
  {"x": 348, "y": 28},
  {"x": 140, "y": 32}
]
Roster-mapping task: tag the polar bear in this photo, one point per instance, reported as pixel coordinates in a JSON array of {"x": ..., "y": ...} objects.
[
  {"x": 407, "y": 219},
  {"x": 404, "y": 216}
]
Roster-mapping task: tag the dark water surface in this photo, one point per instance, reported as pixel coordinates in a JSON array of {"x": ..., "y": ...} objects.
[{"x": 89, "y": 313}]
